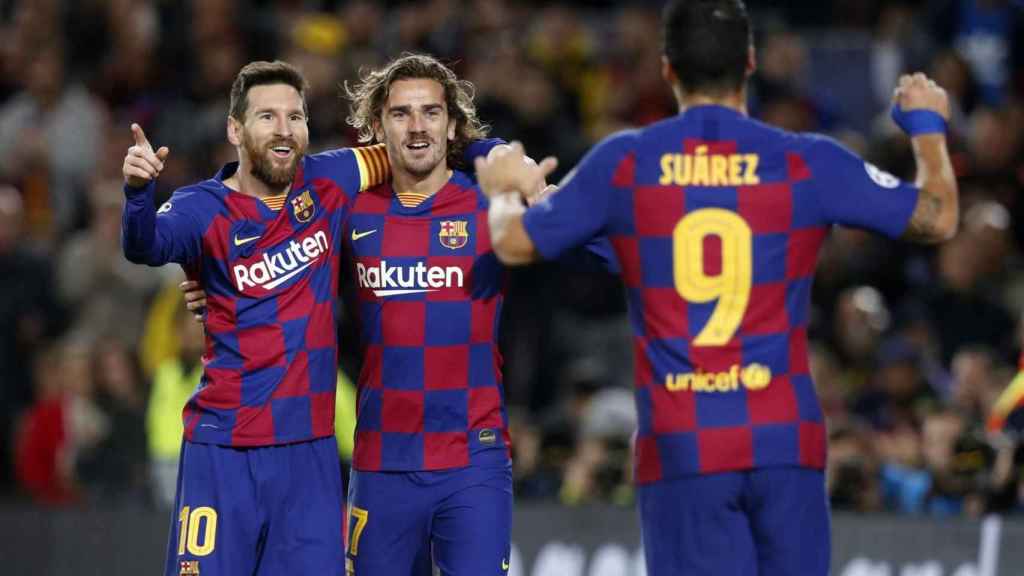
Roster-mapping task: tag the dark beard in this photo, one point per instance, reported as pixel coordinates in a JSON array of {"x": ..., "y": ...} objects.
[{"x": 265, "y": 171}]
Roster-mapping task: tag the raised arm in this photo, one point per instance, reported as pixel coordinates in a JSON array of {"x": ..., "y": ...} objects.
[
  {"x": 145, "y": 238},
  {"x": 922, "y": 110}
]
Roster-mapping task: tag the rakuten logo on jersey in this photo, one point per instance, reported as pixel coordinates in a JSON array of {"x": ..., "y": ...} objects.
[
  {"x": 386, "y": 280},
  {"x": 276, "y": 268}
]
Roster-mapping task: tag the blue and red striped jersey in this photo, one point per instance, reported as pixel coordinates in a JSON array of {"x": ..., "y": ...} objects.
[
  {"x": 429, "y": 295},
  {"x": 717, "y": 220},
  {"x": 271, "y": 278}
]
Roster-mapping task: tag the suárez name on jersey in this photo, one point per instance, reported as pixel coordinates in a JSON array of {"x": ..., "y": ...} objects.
[
  {"x": 277, "y": 267},
  {"x": 703, "y": 169},
  {"x": 387, "y": 280}
]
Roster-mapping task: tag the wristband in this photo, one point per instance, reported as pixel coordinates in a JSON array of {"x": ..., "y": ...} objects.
[{"x": 918, "y": 122}]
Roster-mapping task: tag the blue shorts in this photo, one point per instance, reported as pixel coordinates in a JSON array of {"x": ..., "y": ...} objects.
[
  {"x": 267, "y": 510},
  {"x": 768, "y": 522},
  {"x": 461, "y": 518}
]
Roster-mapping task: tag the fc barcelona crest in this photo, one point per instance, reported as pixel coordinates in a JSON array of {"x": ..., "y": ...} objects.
[
  {"x": 454, "y": 233},
  {"x": 303, "y": 207},
  {"x": 189, "y": 568}
]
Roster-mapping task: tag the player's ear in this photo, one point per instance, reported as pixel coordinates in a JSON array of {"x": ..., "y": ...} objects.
[
  {"x": 234, "y": 131},
  {"x": 378, "y": 130},
  {"x": 751, "y": 61},
  {"x": 451, "y": 129},
  {"x": 667, "y": 73}
]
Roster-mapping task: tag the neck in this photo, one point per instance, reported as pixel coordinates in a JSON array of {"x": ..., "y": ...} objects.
[
  {"x": 403, "y": 181},
  {"x": 734, "y": 100},
  {"x": 243, "y": 181}
]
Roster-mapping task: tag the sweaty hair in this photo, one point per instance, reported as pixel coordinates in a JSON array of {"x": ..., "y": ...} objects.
[
  {"x": 707, "y": 44},
  {"x": 262, "y": 73},
  {"x": 371, "y": 92}
]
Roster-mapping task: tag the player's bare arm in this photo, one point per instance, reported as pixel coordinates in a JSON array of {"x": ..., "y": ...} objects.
[
  {"x": 937, "y": 212},
  {"x": 142, "y": 165},
  {"x": 506, "y": 177}
]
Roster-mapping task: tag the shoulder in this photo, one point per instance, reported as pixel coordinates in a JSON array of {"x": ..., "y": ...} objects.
[
  {"x": 197, "y": 199},
  {"x": 315, "y": 164},
  {"x": 811, "y": 146},
  {"x": 333, "y": 154},
  {"x": 819, "y": 148},
  {"x": 373, "y": 200},
  {"x": 620, "y": 143},
  {"x": 201, "y": 192},
  {"x": 372, "y": 158},
  {"x": 462, "y": 179},
  {"x": 606, "y": 157},
  {"x": 469, "y": 197},
  {"x": 778, "y": 139}
]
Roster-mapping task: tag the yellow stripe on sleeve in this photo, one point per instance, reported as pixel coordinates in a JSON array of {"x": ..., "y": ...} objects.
[
  {"x": 373, "y": 165},
  {"x": 381, "y": 153},
  {"x": 363, "y": 168}
]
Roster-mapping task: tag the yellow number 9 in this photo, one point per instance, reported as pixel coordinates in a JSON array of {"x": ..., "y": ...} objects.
[{"x": 731, "y": 287}]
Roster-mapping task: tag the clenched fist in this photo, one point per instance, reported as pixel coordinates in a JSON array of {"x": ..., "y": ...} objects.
[{"x": 918, "y": 92}]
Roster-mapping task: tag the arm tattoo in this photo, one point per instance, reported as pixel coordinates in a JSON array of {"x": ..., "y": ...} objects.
[{"x": 924, "y": 221}]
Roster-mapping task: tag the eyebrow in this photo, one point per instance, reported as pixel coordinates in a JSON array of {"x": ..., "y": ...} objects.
[
  {"x": 272, "y": 109},
  {"x": 408, "y": 108}
]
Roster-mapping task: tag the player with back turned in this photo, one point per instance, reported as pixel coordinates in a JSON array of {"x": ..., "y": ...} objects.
[{"x": 717, "y": 220}]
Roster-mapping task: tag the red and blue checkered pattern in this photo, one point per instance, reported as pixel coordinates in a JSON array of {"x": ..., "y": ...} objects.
[
  {"x": 804, "y": 184},
  {"x": 430, "y": 393},
  {"x": 271, "y": 279}
]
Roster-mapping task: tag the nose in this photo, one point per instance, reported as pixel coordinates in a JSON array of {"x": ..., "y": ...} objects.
[
  {"x": 416, "y": 123},
  {"x": 282, "y": 127}
]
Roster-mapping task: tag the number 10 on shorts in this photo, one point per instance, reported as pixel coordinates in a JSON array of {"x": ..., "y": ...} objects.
[{"x": 191, "y": 522}]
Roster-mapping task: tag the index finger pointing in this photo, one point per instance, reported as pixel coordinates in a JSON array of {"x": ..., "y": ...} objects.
[{"x": 139, "y": 135}]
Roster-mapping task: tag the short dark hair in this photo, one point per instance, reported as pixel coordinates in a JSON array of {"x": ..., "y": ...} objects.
[
  {"x": 707, "y": 43},
  {"x": 262, "y": 73},
  {"x": 371, "y": 92}
]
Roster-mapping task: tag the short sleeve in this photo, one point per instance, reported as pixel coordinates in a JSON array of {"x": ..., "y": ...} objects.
[{"x": 853, "y": 192}]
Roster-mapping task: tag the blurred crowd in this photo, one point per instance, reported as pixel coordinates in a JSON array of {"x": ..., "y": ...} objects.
[{"x": 911, "y": 346}]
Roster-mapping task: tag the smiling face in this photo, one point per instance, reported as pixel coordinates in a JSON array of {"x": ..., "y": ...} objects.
[
  {"x": 415, "y": 125},
  {"x": 273, "y": 135}
]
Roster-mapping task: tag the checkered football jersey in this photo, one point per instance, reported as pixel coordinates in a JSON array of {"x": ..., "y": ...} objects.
[
  {"x": 429, "y": 294},
  {"x": 717, "y": 220},
  {"x": 271, "y": 278}
]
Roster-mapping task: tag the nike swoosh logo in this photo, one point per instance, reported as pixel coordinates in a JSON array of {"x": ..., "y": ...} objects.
[
  {"x": 358, "y": 235},
  {"x": 286, "y": 277},
  {"x": 241, "y": 241}
]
